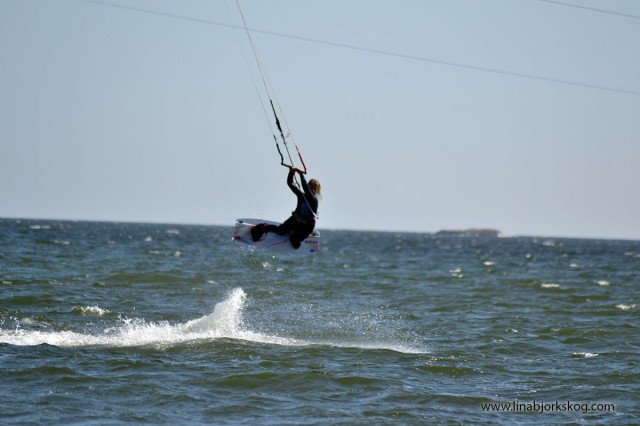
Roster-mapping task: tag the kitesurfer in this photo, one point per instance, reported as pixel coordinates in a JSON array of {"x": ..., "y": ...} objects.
[{"x": 302, "y": 221}]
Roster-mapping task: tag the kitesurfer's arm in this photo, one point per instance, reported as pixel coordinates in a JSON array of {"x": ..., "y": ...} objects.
[
  {"x": 309, "y": 196},
  {"x": 305, "y": 185},
  {"x": 294, "y": 189}
]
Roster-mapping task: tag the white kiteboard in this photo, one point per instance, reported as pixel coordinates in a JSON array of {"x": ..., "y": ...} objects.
[{"x": 271, "y": 240}]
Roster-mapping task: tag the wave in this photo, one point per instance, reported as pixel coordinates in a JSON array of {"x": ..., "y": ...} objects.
[
  {"x": 225, "y": 322},
  {"x": 91, "y": 310}
]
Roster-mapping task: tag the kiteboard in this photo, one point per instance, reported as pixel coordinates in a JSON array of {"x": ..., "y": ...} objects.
[{"x": 273, "y": 241}]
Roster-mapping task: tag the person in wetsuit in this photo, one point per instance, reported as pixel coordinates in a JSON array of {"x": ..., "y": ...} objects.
[{"x": 302, "y": 221}]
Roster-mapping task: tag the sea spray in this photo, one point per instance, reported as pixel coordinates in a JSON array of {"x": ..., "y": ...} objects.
[{"x": 226, "y": 319}]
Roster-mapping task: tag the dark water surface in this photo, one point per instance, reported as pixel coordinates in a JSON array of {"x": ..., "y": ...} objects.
[{"x": 110, "y": 323}]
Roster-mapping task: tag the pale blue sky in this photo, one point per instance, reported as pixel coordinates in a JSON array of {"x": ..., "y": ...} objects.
[{"x": 118, "y": 114}]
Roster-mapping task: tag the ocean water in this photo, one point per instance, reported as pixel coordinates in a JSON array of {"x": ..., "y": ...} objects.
[{"x": 111, "y": 323}]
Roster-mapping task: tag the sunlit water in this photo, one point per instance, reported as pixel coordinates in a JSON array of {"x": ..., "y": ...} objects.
[{"x": 126, "y": 323}]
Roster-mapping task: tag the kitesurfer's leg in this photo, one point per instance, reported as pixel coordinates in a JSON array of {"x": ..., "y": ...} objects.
[
  {"x": 258, "y": 231},
  {"x": 280, "y": 230},
  {"x": 296, "y": 240},
  {"x": 288, "y": 226},
  {"x": 300, "y": 233},
  {"x": 262, "y": 228}
]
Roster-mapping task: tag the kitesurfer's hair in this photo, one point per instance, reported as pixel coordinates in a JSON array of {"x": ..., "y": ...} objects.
[{"x": 314, "y": 185}]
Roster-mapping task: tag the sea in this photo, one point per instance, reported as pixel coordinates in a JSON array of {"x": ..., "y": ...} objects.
[{"x": 126, "y": 323}]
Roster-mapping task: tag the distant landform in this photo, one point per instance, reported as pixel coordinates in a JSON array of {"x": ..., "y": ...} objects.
[{"x": 471, "y": 232}]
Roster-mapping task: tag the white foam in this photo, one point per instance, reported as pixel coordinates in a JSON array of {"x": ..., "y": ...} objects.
[
  {"x": 626, "y": 306},
  {"x": 456, "y": 273},
  {"x": 92, "y": 310},
  {"x": 549, "y": 285},
  {"x": 389, "y": 346},
  {"x": 40, "y": 227},
  {"x": 585, "y": 354},
  {"x": 225, "y": 322},
  {"x": 21, "y": 337}
]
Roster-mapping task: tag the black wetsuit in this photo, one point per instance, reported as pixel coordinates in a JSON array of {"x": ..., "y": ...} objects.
[{"x": 302, "y": 221}]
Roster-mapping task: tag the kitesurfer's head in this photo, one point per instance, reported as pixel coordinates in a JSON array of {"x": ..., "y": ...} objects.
[{"x": 314, "y": 186}]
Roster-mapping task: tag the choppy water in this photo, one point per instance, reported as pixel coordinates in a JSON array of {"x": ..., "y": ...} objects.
[{"x": 104, "y": 323}]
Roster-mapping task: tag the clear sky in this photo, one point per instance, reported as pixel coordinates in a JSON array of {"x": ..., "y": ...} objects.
[{"x": 415, "y": 115}]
